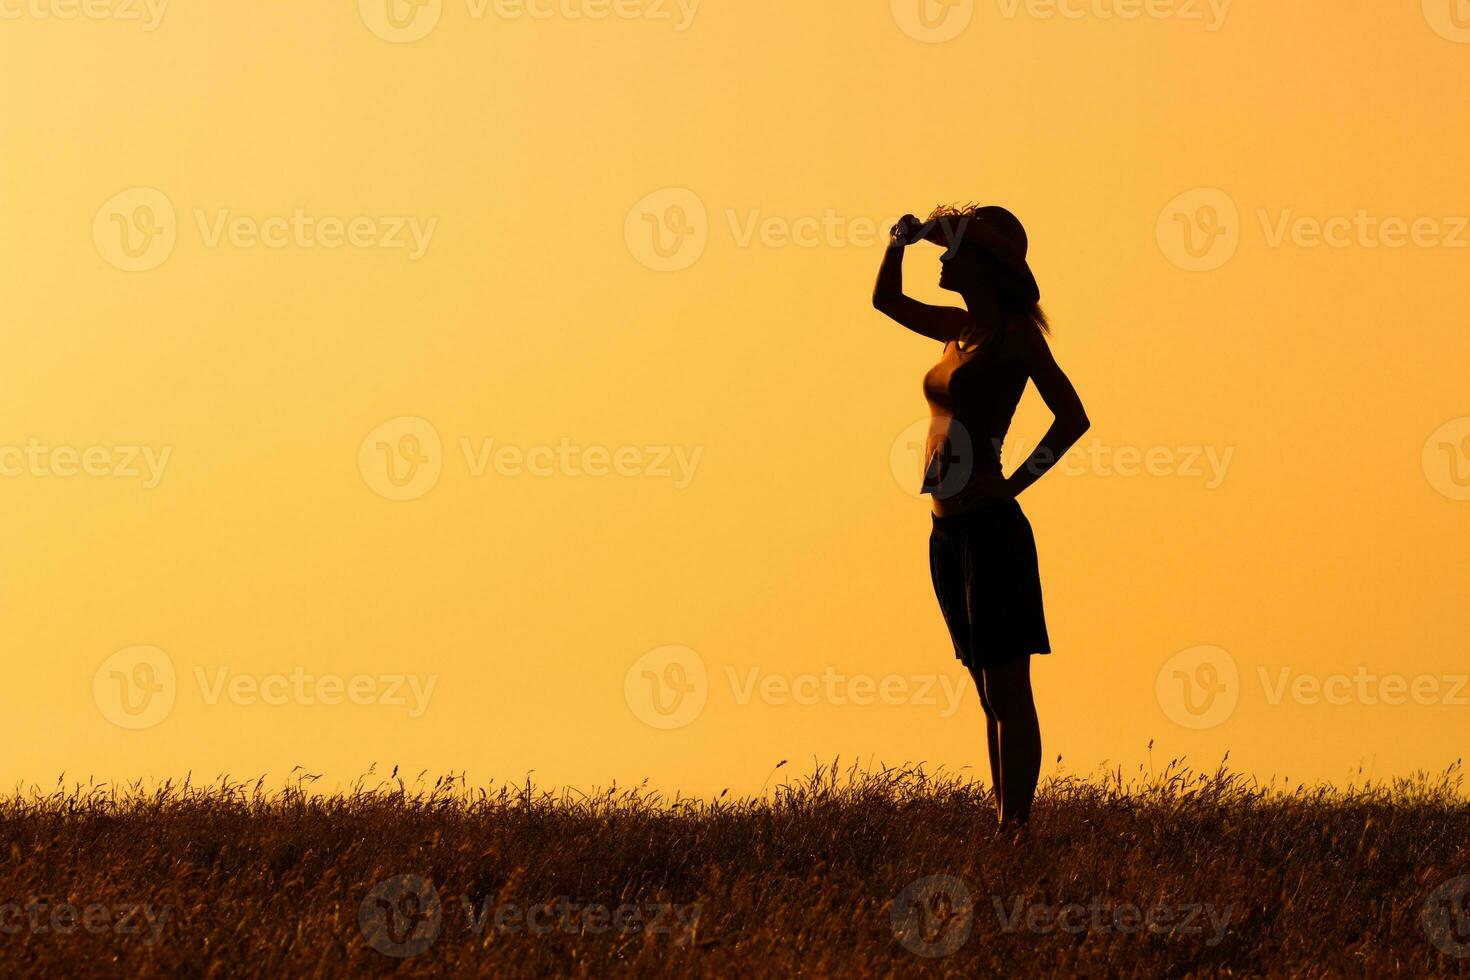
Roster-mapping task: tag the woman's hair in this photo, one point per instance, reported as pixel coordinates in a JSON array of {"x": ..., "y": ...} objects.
[
  {"x": 1012, "y": 298},
  {"x": 1010, "y": 293}
]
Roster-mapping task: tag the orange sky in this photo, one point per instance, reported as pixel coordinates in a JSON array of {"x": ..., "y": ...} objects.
[{"x": 594, "y": 279}]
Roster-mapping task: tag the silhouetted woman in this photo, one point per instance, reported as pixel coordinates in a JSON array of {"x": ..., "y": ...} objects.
[{"x": 982, "y": 555}]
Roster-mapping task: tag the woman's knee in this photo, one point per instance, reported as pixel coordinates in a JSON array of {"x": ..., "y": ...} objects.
[
  {"x": 1007, "y": 691},
  {"x": 978, "y": 676}
]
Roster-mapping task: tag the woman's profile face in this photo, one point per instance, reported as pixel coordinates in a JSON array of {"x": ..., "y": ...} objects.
[{"x": 960, "y": 268}]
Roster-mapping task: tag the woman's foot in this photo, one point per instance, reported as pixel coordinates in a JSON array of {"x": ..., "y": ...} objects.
[{"x": 1015, "y": 828}]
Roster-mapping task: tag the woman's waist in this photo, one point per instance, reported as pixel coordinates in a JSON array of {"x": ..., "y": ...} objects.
[
  {"x": 961, "y": 514},
  {"x": 956, "y": 477},
  {"x": 962, "y": 448},
  {"x": 982, "y": 432}
]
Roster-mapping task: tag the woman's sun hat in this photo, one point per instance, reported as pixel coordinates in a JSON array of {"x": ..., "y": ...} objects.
[{"x": 993, "y": 229}]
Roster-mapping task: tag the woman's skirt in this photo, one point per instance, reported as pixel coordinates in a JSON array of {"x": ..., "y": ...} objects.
[{"x": 988, "y": 583}]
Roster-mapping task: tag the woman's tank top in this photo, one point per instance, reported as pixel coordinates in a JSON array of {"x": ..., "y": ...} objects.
[{"x": 972, "y": 397}]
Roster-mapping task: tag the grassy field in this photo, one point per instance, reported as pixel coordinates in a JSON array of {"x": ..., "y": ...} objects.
[{"x": 847, "y": 872}]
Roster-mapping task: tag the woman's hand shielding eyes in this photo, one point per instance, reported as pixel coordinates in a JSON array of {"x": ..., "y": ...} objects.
[{"x": 908, "y": 230}]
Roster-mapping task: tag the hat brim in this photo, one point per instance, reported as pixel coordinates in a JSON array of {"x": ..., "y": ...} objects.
[{"x": 949, "y": 231}]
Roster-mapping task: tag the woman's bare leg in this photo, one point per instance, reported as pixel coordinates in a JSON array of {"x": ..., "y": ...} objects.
[
  {"x": 1017, "y": 733},
  {"x": 992, "y": 739},
  {"x": 992, "y": 745}
]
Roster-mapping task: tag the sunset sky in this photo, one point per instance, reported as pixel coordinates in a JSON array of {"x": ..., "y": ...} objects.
[{"x": 494, "y": 387}]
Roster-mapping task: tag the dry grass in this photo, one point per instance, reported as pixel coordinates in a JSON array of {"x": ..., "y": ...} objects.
[{"x": 816, "y": 878}]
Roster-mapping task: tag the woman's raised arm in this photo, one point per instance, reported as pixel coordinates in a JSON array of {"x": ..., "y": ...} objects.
[{"x": 941, "y": 323}]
